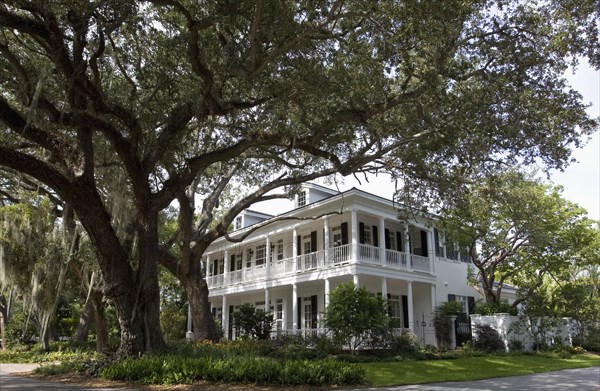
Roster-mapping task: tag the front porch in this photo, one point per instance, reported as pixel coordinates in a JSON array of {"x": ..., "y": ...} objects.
[{"x": 297, "y": 308}]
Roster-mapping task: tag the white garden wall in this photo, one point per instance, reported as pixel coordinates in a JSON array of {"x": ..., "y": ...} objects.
[{"x": 527, "y": 330}]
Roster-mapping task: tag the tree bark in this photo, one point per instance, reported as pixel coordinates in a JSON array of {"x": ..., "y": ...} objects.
[
  {"x": 99, "y": 307},
  {"x": 85, "y": 321},
  {"x": 197, "y": 292}
]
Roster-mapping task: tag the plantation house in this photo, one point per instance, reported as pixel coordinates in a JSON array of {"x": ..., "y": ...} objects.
[{"x": 332, "y": 238}]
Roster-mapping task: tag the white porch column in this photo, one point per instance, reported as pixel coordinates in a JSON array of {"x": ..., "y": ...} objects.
[
  {"x": 384, "y": 291},
  {"x": 409, "y": 263},
  {"x": 433, "y": 297},
  {"x": 326, "y": 239},
  {"x": 208, "y": 267},
  {"x": 327, "y": 290},
  {"x": 226, "y": 268},
  {"x": 411, "y": 315},
  {"x": 354, "y": 238},
  {"x": 356, "y": 280},
  {"x": 295, "y": 249},
  {"x": 189, "y": 334},
  {"x": 382, "y": 255},
  {"x": 268, "y": 258},
  {"x": 224, "y": 316},
  {"x": 431, "y": 247},
  {"x": 267, "y": 300},
  {"x": 294, "y": 308}
]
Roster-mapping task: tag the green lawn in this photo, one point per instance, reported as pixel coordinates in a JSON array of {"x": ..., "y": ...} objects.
[{"x": 462, "y": 369}]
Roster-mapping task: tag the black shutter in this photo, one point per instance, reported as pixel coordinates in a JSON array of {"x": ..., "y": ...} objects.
[
  {"x": 451, "y": 297},
  {"x": 299, "y": 244},
  {"x": 213, "y": 311},
  {"x": 230, "y": 328},
  {"x": 324, "y": 243},
  {"x": 299, "y": 313},
  {"x": 471, "y": 303},
  {"x": 232, "y": 263},
  {"x": 405, "y": 311},
  {"x": 215, "y": 267},
  {"x": 436, "y": 239},
  {"x": 375, "y": 236},
  {"x": 387, "y": 238},
  {"x": 314, "y": 314},
  {"x": 344, "y": 233},
  {"x": 313, "y": 241},
  {"x": 399, "y": 241},
  {"x": 423, "y": 243},
  {"x": 361, "y": 233}
]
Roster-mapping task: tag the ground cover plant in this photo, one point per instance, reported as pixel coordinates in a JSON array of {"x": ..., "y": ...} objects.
[{"x": 295, "y": 360}]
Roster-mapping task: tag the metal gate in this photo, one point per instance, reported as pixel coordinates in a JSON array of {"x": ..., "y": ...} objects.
[{"x": 462, "y": 325}]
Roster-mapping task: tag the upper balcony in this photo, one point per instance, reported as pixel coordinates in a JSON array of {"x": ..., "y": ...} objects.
[{"x": 320, "y": 260}]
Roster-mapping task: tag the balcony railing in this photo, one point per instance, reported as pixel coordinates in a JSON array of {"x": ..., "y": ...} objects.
[{"x": 323, "y": 259}]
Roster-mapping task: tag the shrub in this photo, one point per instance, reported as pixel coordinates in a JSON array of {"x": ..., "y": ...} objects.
[
  {"x": 484, "y": 308},
  {"x": 486, "y": 338},
  {"x": 173, "y": 322},
  {"x": 253, "y": 322},
  {"x": 355, "y": 317},
  {"x": 175, "y": 370},
  {"x": 404, "y": 344},
  {"x": 515, "y": 345}
]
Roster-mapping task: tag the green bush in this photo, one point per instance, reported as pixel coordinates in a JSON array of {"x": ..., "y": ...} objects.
[
  {"x": 487, "y": 339},
  {"x": 515, "y": 345},
  {"x": 442, "y": 323},
  {"x": 184, "y": 370},
  {"x": 404, "y": 344},
  {"x": 484, "y": 308},
  {"x": 254, "y": 323},
  {"x": 173, "y": 322}
]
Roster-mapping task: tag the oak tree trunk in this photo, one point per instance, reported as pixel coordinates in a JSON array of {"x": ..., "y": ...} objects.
[
  {"x": 197, "y": 291},
  {"x": 85, "y": 321},
  {"x": 99, "y": 308}
]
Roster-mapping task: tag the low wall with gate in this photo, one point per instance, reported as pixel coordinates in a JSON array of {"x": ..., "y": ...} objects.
[{"x": 527, "y": 333}]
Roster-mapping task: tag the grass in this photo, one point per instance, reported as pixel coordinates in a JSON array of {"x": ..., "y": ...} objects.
[{"x": 397, "y": 373}]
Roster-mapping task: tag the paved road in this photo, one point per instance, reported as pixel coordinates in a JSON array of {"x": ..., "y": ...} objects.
[
  {"x": 11, "y": 382},
  {"x": 582, "y": 379}
]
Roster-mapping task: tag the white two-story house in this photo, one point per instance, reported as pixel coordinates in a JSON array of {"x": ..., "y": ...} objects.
[{"x": 291, "y": 265}]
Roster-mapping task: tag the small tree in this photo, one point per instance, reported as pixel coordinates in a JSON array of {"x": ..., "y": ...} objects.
[
  {"x": 355, "y": 317},
  {"x": 253, "y": 322}
]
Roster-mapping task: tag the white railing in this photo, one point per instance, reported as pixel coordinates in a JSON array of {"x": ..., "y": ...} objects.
[
  {"x": 236, "y": 277},
  {"x": 368, "y": 253},
  {"x": 338, "y": 255},
  {"x": 395, "y": 259},
  {"x": 421, "y": 263},
  {"x": 331, "y": 257}
]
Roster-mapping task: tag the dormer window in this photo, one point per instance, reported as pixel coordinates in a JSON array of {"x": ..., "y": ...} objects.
[
  {"x": 238, "y": 222},
  {"x": 301, "y": 198}
]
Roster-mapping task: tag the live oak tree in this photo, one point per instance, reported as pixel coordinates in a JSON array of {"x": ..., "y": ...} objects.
[
  {"x": 35, "y": 253},
  {"x": 122, "y": 107},
  {"x": 517, "y": 230}
]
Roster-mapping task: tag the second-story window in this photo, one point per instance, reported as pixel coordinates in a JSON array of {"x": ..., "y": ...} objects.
[
  {"x": 238, "y": 222},
  {"x": 302, "y": 198},
  {"x": 280, "y": 250},
  {"x": 261, "y": 253}
]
